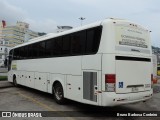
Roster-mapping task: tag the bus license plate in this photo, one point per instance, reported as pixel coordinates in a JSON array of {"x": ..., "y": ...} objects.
[{"x": 134, "y": 89}]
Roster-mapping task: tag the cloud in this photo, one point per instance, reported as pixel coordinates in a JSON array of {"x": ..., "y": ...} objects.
[
  {"x": 47, "y": 25},
  {"x": 44, "y": 16},
  {"x": 10, "y": 13},
  {"x": 154, "y": 26},
  {"x": 85, "y": 2}
]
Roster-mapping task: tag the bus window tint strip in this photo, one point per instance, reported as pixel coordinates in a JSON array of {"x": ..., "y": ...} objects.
[
  {"x": 132, "y": 58},
  {"x": 83, "y": 42}
]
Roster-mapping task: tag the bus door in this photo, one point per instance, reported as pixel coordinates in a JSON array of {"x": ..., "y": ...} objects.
[
  {"x": 92, "y": 87},
  {"x": 9, "y": 58}
]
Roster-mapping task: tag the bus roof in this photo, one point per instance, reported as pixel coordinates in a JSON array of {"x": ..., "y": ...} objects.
[{"x": 52, "y": 35}]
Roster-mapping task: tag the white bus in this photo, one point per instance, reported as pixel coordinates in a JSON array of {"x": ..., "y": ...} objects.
[{"x": 106, "y": 63}]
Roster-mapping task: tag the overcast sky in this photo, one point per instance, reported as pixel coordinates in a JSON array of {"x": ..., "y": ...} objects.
[{"x": 45, "y": 15}]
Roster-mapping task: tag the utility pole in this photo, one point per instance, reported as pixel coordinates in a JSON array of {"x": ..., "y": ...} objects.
[{"x": 82, "y": 18}]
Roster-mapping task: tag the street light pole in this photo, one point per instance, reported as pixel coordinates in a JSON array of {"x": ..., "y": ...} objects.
[{"x": 82, "y": 18}]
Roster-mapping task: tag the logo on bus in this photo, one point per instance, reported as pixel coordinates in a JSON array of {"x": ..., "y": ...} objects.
[{"x": 120, "y": 84}]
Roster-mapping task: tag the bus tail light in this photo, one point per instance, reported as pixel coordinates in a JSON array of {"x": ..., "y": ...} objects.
[{"x": 110, "y": 81}]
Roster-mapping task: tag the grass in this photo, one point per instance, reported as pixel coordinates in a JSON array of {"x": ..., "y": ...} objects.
[{"x": 3, "y": 78}]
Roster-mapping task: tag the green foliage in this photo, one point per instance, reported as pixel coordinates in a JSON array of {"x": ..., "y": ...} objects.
[{"x": 3, "y": 78}]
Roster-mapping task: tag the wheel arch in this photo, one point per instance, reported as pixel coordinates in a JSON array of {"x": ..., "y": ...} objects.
[
  {"x": 53, "y": 79},
  {"x": 59, "y": 98},
  {"x": 55, "y": 82}
]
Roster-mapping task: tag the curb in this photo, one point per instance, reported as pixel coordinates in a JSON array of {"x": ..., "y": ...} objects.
[
  {"x": 6, "y": 87},
  {"x": 5, "y": 84}
]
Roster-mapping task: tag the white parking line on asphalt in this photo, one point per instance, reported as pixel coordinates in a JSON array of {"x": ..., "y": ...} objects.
[
  {"x": 43, "y": 105},
  {"x": 37, "y": 102}
]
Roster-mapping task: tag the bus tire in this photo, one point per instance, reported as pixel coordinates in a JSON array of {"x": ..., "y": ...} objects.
[
  {"x": 58, "y": 93},
  {"x": 15, "y": 81}
]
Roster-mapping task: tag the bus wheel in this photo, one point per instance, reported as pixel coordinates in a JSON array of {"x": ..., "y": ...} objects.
[
  {"x": 58, "y": 93},
  {"x": 15, "y": 82}
]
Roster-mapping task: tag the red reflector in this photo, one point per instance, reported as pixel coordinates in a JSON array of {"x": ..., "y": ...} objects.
[{"x": 110, "y": 78}]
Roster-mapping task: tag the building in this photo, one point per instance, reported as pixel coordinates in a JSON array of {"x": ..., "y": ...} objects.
[
  {"x": 11, "y": 36},
  {"x": 63, "y": 28},
  {"x": 4, "y": 51},
  {"x": 18, "y": 34}
]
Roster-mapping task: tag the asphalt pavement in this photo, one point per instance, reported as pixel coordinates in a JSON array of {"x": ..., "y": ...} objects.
[
  {"x": 156, "y": 88},
  {"x": 5, "y": 84},
  {"x": 27, "y": 99}
]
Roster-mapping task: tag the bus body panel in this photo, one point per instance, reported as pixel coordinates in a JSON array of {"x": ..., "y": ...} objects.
[
  {"x": 133, "y": 76},
  {"x": 91, "y": 71},
  {"x": 113, "y": 99},
  {"x": 40, "y": 81},
  {"x": 132, "y": 39},
  {"x": 30, "y": 79},
  {"x": 72, "y": 65},
  {"x": 107, "y": 44},
  {"x": 108, "y": 67},
  {"x": 74, "y": 85},
  {"x": 92, "y": 62}
]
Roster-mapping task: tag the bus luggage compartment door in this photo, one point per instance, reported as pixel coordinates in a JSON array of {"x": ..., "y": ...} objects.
[
  {"x": 133, "y": 75},
  {"x": 89, "y": 81}
]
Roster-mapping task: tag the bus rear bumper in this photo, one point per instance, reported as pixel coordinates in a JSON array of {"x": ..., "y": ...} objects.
[{"x": 113, "y": 99}]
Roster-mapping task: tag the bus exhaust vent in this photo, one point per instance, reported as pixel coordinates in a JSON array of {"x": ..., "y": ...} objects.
[{"x": 89, "y": 81}]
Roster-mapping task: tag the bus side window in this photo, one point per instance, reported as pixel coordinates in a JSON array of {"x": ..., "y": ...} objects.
[
  {"x": 16, "y": 54},
  {"x": 21, "y": 52},
  {"x": 35, "y": 50},
  {"x": 93, "y": 40},
  {"x": 57, "y": 47},
  {"x": 49, "y": 48},
  {"x": 30, "y": 53},
  {"x": 41, "y": 49},
  {"x": 78, "y": 42},
  {"x": 66, "y": 45},
  {"x": 26, "y": 52}
]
